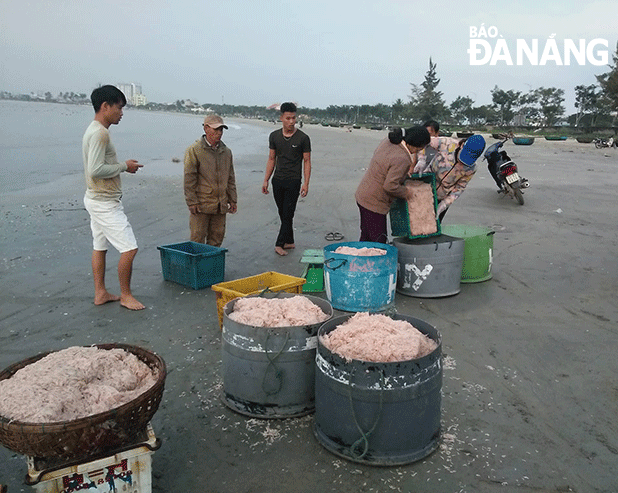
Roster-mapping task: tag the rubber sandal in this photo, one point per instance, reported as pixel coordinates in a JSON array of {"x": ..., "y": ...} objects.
[{"x": 334, "y": 236}]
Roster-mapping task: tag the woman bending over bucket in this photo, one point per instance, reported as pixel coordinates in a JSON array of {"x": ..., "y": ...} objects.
[{"x": 383, "y": 180}]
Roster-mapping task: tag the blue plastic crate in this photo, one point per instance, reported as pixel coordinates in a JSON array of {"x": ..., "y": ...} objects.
[{"x": 192, "y": 264}]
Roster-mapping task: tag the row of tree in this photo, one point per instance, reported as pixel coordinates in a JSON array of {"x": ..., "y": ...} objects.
[
  {"x": 596, "y": 105},
  {"x": 62, "y": 97}
]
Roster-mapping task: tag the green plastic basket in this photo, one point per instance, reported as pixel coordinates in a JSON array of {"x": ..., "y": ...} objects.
[
  {"x": 400, "y": 216},
  {"x": 194, "y": 265}
]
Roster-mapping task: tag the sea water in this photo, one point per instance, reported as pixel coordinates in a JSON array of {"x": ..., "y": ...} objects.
[{"x": 42, "y": 142}]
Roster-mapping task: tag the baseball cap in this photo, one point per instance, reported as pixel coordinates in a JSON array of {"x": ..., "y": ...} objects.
[
  {"x": 214, "y": 121},
  {"x": 472, "y": 149}
]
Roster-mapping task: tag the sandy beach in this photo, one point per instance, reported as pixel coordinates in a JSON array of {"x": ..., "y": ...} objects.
[{"x": 530, "y": 395}]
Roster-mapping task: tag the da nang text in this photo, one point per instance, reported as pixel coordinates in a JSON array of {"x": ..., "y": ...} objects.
[{"x": 488, "y": 47}]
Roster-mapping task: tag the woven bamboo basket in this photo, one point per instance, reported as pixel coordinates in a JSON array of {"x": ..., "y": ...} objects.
[{"x": 92, "y": 435}]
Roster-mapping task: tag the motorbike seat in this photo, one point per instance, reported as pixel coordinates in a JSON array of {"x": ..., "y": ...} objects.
[{"x": 504, "y": 163}]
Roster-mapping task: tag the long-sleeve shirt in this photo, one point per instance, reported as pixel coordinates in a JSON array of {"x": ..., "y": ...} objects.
[
  {"x": 209, "y": 180},
  {"x": 101, "y": 167},
  {"x": 452, "y": 177},
  {"x": 383, "y": 180}
]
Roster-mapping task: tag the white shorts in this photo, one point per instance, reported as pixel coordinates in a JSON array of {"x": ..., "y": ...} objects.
[{"x": 109, "y": 223}]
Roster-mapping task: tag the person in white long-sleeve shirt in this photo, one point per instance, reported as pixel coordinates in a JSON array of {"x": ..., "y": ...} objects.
[{"x": 102, "y": 200}]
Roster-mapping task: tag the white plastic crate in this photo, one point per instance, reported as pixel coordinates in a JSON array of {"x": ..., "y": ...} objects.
[{"x": 128, "y": 471}]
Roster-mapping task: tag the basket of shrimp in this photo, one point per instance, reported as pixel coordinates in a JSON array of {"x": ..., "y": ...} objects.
[
  {"x": 80, "y": 401},
  {"x": 416, "y": 216}
]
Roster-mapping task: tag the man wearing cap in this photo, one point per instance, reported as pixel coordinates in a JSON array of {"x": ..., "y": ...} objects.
[
  {"x": 453, "y": 165},
  {"x": 209, "y": 183}
]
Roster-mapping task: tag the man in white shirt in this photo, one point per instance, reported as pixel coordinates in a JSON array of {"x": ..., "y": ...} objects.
[{"x": 108, "y": 221}]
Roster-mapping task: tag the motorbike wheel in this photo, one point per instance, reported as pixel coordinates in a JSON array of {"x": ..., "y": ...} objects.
[
  {"x": 597, "y": 144},
  {"x": 519, "y": 196}
]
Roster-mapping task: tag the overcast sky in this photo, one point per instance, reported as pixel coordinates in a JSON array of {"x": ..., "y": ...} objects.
[{"x": 314, "y": 52}]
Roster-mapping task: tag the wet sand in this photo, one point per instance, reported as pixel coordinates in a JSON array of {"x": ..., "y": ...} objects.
[{"x": 530, "y": 395}]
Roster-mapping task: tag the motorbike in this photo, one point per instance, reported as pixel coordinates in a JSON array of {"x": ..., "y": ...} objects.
[
  {"x": 504, "y": 171},
  {"x": 601, "y": 142}
]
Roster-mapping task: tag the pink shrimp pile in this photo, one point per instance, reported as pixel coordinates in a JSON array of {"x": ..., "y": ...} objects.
[
  {"x": 377, "y": 338},
  {"x": 277, "y": 312},
  {"x": 74, "y": 383}
]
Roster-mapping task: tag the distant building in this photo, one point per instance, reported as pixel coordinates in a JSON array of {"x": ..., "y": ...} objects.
[
  {"x": 127, "y": 90},
  {"x": 187, "y": 103},
  {"x": 519, "y": 120},
  {"x": 139, "y": 100},
  {"x": 133, "y": 93}
]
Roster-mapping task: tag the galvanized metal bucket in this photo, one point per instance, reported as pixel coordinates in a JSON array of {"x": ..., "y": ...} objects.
[
  {"x": 378, "y": 413},
  {"x": 429, "y": 267},
  {"x": 269, "y": 372},
  {"x": 357, "y": 283}
]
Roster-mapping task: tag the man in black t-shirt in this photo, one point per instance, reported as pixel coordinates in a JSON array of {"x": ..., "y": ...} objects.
[{"x": 289, "y": 158}]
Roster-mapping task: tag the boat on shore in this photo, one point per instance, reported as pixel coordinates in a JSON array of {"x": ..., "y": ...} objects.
[{"x": 523, "y": 141}]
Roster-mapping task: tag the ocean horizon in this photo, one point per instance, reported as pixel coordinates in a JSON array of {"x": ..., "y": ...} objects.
[{"x": 41, "y": 142}]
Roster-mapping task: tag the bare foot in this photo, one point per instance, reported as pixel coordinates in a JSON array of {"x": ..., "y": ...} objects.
[
  {"x": 289, "y": 246},
  {"x": 105, "y": 297},
  {"x": 131, "y": 303},
  {"x": 280, "y": 251}
]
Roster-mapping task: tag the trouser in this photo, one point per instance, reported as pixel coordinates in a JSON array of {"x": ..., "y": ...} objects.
[
  {"x": 207, "y": 226},
  {"x": 372, "y": 225},
  {"x": 286, "y": 194}
]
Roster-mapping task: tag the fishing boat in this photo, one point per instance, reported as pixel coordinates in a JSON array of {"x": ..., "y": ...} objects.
[{"x": 523, "y": 141}]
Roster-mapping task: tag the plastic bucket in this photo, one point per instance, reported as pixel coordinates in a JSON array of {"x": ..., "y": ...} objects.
[
  {"x": 478, "y": 250},
  {"x": 429, "y": 267},
  {"x": 378, "y": 413},
  {"x": 269, "y": 372},
  {"x": 357, "y": 283}
]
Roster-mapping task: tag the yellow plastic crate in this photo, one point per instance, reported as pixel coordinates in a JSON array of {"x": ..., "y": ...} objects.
[{"x": 273, "y": 281}]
